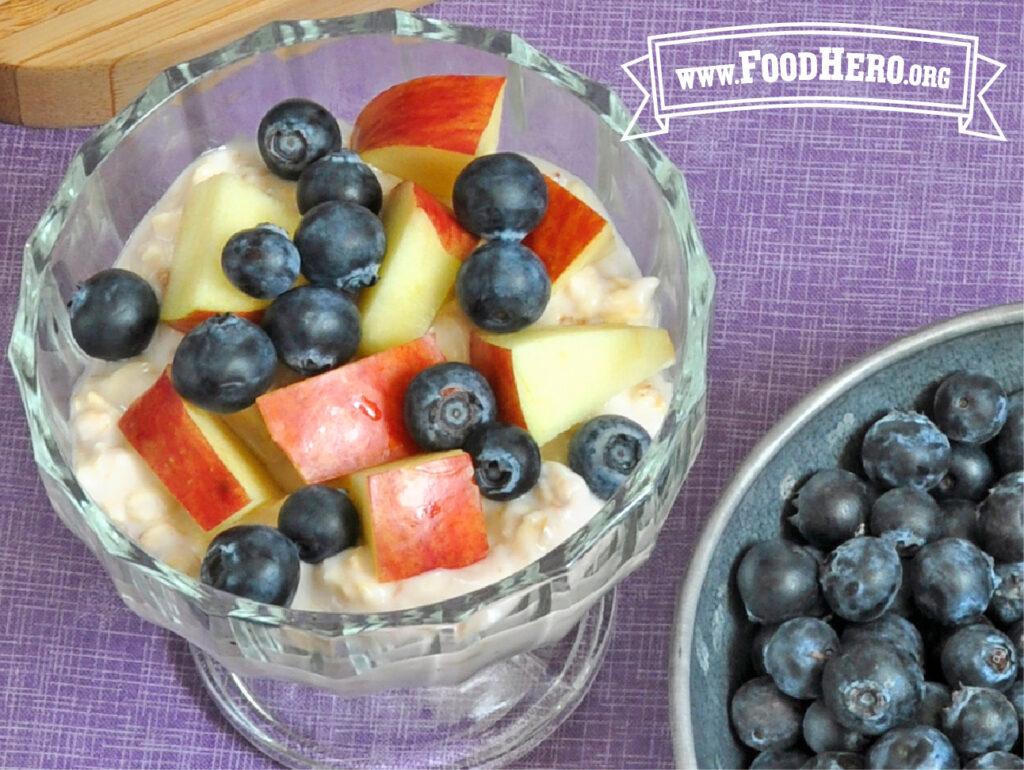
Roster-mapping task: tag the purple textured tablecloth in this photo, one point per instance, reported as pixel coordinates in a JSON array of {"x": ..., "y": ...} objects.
[{"x": 831, "y": 232}]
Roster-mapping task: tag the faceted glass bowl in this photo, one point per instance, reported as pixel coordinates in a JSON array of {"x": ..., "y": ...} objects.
[{"x": 550, "y": 112}]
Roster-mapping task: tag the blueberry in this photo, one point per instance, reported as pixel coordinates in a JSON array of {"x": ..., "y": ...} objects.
[
  {"x": 822, "y": 733},
  {"x": 500, "y": 197},
  {"x": 835, "y": 760},
  {"x": 262, "y": 262},
  {"x": 763, "y": 717},
  {"x": 959, "y": 518},
  {"x": 980, "y": 720},
  {"x": 995, "y": 760},
  {"x": 223, "y": 364},
  {"x": 339, "y": 176},
  {"x": 891, "y": 628},
  {"x": 321, "y": 521},
  {"x": 795, "y": 656},
  {"x": 907, "y": 518},
  {"x": 777, "y": 580},
  {"x": 979, "y": 656},
  {"x": 502, "y": 287},
  {"x": 1016, "y": 635},
  {"x": 341, "y": 245},
  {"x": 905, "y": 449},
  {"x": 254, "y": 561},
  {"x": 1009, "y": 444},
  {"x": 970, "y": 473},
  {"x": 913, "y": 747},
  {"x": 294, "y": 133},
  {"x": 605, "y": 450},
  {"x": 506, "y": 460},
  {"x": 860, "y": 578},
  {"x": 969, "y": 407},
  {"x": 1001, "y": 519},
  {"x": 313, "y": 328},
  {"x": 780, "y": 759},
  {"x": 1007, "y": 604},
  {"x": 831, "y": 506},
  {"x": 444, "y": 402},
  {"x": 114, "y": 314},
  {"x": 760, "y": 641},
  {"x": 935, "y": 698},
  {"x": 952, "y": 580},
  {"x": 872, "y": 687}
]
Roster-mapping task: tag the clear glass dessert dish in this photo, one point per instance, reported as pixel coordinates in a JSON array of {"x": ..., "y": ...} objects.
[{"x": 523, "y": 648}]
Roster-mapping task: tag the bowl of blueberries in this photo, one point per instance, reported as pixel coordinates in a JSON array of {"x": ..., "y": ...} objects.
[{"x": 855, "y": 600}]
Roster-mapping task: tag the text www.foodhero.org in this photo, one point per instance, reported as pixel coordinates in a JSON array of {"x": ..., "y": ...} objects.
[{"x": 827, "y": 63}]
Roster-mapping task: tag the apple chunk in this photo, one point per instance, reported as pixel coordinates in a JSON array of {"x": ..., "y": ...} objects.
[
  {"x": 421, "y": 513},
  {"x": 571, "y": 234},
  {"x": 201, "y": 463},
  {"x": 425, "y": 248},
  {"x": 547, "y": 380},
  {"x": 216, "y": 209},
  {"x": 349, "y": 418},
  {"x": 427, "y": 129}
]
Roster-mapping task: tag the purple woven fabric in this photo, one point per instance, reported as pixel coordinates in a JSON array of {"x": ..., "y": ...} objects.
[{"x": 831, "y": 232}]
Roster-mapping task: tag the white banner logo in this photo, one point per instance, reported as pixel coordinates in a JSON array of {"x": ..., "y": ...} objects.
[{"x": 774, "y": 66}]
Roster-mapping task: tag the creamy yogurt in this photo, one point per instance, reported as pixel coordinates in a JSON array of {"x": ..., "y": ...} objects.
[{"x": 520, "y": 531}]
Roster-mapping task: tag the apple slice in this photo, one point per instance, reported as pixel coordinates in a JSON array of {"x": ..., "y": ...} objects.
[
  {"x": 571, "y": 234},
  {"x": 216, "y": 209},
  {"x": 427, "y": 129},
  {"x": 547, "y": 380},
  {"x": 420, "y": 513},
  {"x": 349, "y": 418},
  {"x": 248, "y": 425},
  {"x": 203, "y": 464},
  {"x": 426, "y": 246}
]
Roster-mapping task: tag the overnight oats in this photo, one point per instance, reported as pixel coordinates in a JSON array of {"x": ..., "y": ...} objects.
[{"x": 372, "y": 378}]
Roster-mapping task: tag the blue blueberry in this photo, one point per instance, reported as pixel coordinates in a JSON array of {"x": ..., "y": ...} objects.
[
  {"x": 262, "y": 261},
  {"x": 979, "y": 656},
  {"x": 506, "y": 460},
  {"x": 1009, "y": 444},
  {"x": 980, "y": 720},
  {"x": 969, "y": 407},
  {"x": 860, "y": 578},
  {"x": 872, "y": 687},
  {"x": 935, "y": 698},
  {"x": 777, "y": 580},
  {"x": 341, "y": 245},
  {"x": 905, "y": 449},
  {"x": 1007, "y": 604},
  {"x": 1016, "y": 634},
  {"x": 114, "y": 314},
  {"x": 253, "y": 561},
  {"x": 500, "y": 197},
  {"x": 1001, "y": 519},
  {"x": 313, "y": 329},
  {"x": 321, "y": 521},
  {"x": 823, "y": 734},
  {"x": 795, "y": 656},
  {"x": 835, "y": 760},
  {"x": 502, "y": 287},
  {"x": 223, "y": 364},
  {"x": 780, "y": 759},
  {"x": 971, "y": 473},
  {"x": 605, "y": 450},
  {"x": 294, "y": 133},
  {"x": 952, "y": 580},
  {"x": 959, "y": 518},
  {"x": 339, "y": 176},
  {"x": 831, "y": 506},
  {"x": 763, "y": 717},
  {"x": 444, "y": 402},
  {"x": 1016, "y": 697},
  {"x": 995, "y": 760},
  {"x": 761, "y": 638},
  {"x": 913, "y": 747},
  {"x": 907, "y": 518},
  {"x": 891, "y": 628}
]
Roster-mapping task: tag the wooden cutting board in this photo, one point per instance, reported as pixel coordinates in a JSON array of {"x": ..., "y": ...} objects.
[{"x": 78, "y": 62}]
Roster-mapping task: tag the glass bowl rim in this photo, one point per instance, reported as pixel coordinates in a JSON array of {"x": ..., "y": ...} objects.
[{"x": 689, "y": 385}]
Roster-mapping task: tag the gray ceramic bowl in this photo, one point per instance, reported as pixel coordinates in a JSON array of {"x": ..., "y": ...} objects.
[{"x": 711, "y": 655}]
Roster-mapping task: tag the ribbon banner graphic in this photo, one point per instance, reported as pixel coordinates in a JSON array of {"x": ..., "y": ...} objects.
[{"x": 847, "y": 66}]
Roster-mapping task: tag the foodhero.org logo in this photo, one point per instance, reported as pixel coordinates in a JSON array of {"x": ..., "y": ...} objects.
[{"x": 809, "y": 64}]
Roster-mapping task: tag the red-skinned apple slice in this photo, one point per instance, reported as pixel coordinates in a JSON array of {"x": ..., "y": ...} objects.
[
  {"x": 420, "y": 513},
  {"x": 349, "y": 418},
  {"x": 201, "y": 463},
  {"x": 427, "y": 129},
  {"x": 548, "y": 379}
]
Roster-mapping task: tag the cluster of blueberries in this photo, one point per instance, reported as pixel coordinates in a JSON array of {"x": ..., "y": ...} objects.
[{"x": 891, "y": 625}]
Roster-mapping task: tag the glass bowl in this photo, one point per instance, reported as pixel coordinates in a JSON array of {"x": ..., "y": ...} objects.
[{"x": 550, "y": 112}]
